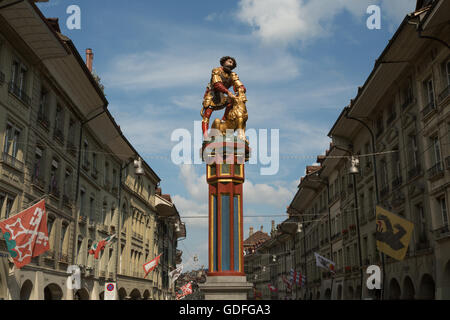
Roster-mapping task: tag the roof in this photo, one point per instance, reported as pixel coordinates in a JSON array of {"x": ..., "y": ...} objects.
[{"x": 256, "y": 238}]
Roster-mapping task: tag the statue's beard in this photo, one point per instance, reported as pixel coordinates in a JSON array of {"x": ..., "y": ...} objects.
[{"x": 227, "y": 69}]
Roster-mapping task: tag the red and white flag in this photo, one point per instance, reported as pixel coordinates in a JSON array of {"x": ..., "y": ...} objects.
[
  {"x": 100, "y": 246},
  {"x": 272, "y": 288},
  {"x": 184, "y": 290},
  {"x": 149, "y": 266},
  {"x": 26, "y": 234}
]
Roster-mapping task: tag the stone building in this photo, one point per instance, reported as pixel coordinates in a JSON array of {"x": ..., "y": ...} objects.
[
  {"x": 59, "y": 141},
  {"x": 400, "y": 114}
]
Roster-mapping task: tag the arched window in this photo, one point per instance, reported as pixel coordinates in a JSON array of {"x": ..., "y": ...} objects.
[
  {"x": 79, "y": 247},
  {"x": 62, "y": 248}
]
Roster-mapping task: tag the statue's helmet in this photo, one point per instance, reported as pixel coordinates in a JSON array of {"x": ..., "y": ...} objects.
[{"x": 223, "y": 59}]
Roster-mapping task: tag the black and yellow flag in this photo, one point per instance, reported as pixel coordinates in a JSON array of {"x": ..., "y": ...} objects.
[{"x": 393, "y": 234}]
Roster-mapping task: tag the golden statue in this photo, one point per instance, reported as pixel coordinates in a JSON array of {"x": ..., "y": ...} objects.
[{"x": 235, "y": 116}]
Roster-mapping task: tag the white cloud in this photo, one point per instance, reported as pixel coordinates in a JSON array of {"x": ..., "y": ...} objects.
[
  {"x": 195, "y": 184},
  {"x": 267, "y": 194},
  {"x": 192, "y": 208},
  {"x": 169, "y": 68},
  {"x": 283, "y": 22}
]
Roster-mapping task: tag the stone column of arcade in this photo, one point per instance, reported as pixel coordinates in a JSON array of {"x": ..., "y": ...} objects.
[{"x": 225, "y": 158}]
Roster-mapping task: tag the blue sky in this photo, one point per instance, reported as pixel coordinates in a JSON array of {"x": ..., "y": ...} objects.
[{"x": 301, "y": 62}]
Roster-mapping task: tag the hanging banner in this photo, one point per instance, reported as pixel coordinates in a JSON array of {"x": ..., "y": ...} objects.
[{"x": 393, "y": 233}]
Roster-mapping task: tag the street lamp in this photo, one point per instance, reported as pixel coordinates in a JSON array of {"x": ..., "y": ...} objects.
[
  {"x": 347, "y": 109},
  {"x": 353, "y": 171}
]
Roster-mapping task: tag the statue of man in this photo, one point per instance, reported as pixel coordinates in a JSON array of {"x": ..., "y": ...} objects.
[{"x": 222, "y": 79}]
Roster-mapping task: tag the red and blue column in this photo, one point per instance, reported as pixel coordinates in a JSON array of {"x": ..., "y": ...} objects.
[{"x": 225, "y": 176}]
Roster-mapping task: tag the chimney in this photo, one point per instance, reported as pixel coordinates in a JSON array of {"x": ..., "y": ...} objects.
[
  {"x": 273, "y": 225},
  {"x": 261, "y": 228},
  {"x": 250, "y": 232},
  {"x": 89, "y": 58}
]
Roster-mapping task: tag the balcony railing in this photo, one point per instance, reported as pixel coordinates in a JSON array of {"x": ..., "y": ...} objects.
[
  {"x": 435, "y": 170},
  {"x": 19, "y": 93},
  {"x": 11, "y": 161},
  {"x": 444, "y": 94},
  {"x": 54, "y": 191},
  {"x": 43, "y": 120},
  {"x": 38, "y": 182},
  {"x": 67, "y": 201},
  {"x": 442, "y": 232},
  {"x": 50, "y": 254},
  {"x": 71, "y": 149},
  {"x": 64, "y": 258},
  {"x": 82, "y": 219},
  {"x": 86, "y": 165},
  {"x": 414, "y": 172},
  {"x": 428, "y": 109},
  {"x": 58, "y": 135},
  {"x": 94, "y": 173}
]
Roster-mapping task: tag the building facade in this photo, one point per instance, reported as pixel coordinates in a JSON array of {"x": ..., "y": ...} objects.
[
  {"x": 398, "y": 127},
  {"x": 60, "y": 142}
]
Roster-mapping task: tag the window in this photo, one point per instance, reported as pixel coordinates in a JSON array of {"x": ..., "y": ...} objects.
[
  {"x": 2, "y": 202},
  {"x": 396, "y": 165},
  {"x": 79, "y": 245},
  {"x": 11, "y": 140},
  {"x": 407, "y": 93},
  {"x": 38, "y": 164},
  {"x": 53, "y": 187},
  {"x": 106, "y": 173},
  {"x": 18, "y": 78},
  {"x": 413, "y": 151},
  {"x": 384, "y": 174},
  {"x": 82, "y": 202},
  {"x": 429, "y": 92},
  {"x": 85, "y": 154},
  {"x": 448, "y": 73},
  {"x": 443, "y": 207},
  {"x": 91, "y": 208},
  {"x": 114, "y": 178},
  {"x": 94, "y": 161},
  {"x": 436, "y": 155},
  {"x": 63, "y": 235},
  {"x": 421, "y": 223},
  {"x": 68, "y": 183},
  {"x": 50, "y": 222},
  {"x": 9, "y": 205},
  {"x": 43, "y": 104},
  {"x": 71, "y": 133}
]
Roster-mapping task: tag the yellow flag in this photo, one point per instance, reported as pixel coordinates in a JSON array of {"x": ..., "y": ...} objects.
[{"x": 393, "y": 234}]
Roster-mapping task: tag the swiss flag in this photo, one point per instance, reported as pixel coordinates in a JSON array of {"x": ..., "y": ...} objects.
[
  {"x": 26, "y": 234},
  {"x": 149, "y": 266},
  {"x": 185, "y": 290}
]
